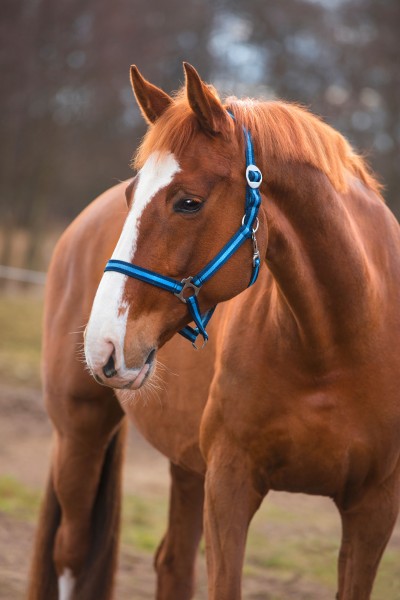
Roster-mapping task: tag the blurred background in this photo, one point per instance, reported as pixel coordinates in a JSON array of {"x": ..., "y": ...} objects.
[
  {"x": 70, "y": 124},
  {"x": 68, "y": 130}
]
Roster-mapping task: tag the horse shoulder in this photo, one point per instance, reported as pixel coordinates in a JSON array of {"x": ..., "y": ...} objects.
[{"x": 74, "y": 273}]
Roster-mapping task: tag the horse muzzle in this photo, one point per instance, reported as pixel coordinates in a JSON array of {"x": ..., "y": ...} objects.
[{"x": 107, "y": 366}]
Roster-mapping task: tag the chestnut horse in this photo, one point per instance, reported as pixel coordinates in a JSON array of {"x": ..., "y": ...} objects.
[{"x": 297, "y": 389}]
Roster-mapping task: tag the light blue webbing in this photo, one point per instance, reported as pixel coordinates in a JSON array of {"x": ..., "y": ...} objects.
[{"x": 246, "y": 231}]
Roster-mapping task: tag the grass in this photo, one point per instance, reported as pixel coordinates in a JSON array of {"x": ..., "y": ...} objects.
[
  {"x": 289, "y": 544},
  {"x": 279, "y": 542},
  {"x": 143, "y": 522},
  {"x": 20, "y": 326},
  {"x": 17, "y": 500},
  {"x": 283, "y": 546},
  {"x": 143, "y": 519},
  {"x": 303, "y": 544}
]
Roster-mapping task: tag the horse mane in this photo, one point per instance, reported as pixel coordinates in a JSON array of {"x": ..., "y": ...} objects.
[{"x": 280, "y": 130}]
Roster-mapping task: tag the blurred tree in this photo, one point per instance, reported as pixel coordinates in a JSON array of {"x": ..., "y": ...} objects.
[
  {"x": 339, "y": 57},
  {"x": 69, "y": 121},
  {"x": 374, "y": 81},
  {"x": 71, "y": 124}
]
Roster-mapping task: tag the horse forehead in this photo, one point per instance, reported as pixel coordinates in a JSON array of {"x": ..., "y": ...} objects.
[
  {"x": 157, "y": 172},
  {"x": 209, "y": 154}
]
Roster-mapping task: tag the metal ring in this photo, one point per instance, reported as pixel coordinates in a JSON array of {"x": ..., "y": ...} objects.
[{"x": 255, "y": 229}]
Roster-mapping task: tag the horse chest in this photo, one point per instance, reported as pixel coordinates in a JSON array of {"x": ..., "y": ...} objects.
[{"x": 319, "y": 441}]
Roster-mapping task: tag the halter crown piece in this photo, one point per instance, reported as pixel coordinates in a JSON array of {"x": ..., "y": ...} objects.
[{"x": 188, "y": 289}]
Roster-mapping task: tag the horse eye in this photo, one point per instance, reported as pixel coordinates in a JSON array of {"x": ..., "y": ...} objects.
[{"x": 188, "y": 205}]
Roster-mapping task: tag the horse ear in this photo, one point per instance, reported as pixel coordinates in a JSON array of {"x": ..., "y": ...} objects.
[
  {"x": 152, "y": 100},
  {"x": 206, "y": 105}
]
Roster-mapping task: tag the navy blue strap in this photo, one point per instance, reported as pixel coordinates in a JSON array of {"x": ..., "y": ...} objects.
[
  {"x": 194, "y": 310},
  {"x": 162, "y": 281},
  {"x": 223, "y": 256},
  {"x": 246, "y": 231},
  {"x": 192, "y": 333}
]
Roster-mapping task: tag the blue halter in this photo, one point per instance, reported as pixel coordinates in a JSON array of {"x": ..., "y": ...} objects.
[{"x": 187, "y": 290}]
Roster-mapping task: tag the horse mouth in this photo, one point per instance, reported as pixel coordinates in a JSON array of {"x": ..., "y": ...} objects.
[
  {"x": 139, "y": 380},
  {"x": 143, "y": 374},
  {"x": 150, "y": 359},
  {"x": 126, "y": 379}
]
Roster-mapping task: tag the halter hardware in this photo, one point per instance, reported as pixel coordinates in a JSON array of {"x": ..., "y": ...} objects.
[
  {"x": 248, "y": 229},
  {"x": 187, "y": 285},
  {"x": 256, "y": 252},
  {"x": 253, "y": 176}
]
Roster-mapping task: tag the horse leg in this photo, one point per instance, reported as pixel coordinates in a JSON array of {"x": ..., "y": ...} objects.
[
  {"x": 87, "y": 492},
  {"x": 76, "y": 473},
  {"x": 231, "y": 500},
  {"x": 176, "y": 556},
  {"x": 366, "y": 529},
  {"x": 77, "y": 538}
]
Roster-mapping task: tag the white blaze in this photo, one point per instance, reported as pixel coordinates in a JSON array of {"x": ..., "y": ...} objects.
[
  {"x": 107, "y": 323},
  {"x": 156, "y": 173},
  {"x": 66, "y": 584}
]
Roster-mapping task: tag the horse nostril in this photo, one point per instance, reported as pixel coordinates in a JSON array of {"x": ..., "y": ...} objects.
[{"x": 109, "y": 368}]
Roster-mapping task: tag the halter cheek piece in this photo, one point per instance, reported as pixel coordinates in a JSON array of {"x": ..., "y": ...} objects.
[{"x": 187, "y": 290}]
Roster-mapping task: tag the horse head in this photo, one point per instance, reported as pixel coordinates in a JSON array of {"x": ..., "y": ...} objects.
[{"x": 185, "y": 203}]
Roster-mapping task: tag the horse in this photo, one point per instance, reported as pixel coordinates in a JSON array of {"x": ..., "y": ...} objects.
[{"x": 296, "y": 389}]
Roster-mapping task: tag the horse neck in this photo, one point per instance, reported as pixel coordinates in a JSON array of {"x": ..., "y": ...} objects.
[{"x": 317, "y": 258}]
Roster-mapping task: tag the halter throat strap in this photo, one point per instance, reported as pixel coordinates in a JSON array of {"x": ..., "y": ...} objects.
[{"x": 188, "y": 288}]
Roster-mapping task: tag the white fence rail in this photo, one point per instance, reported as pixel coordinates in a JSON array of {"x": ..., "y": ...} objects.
[{"x": 22, "y": 275}]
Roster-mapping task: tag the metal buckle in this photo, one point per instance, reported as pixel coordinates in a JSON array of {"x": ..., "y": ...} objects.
[
  {"x": 256, "y": 257},
  {"x": 256, "y": 252},
  {"x": 253, "y": 184},
  {"x": 187, "y": 284},
  {"x": 201, "y": 347}
]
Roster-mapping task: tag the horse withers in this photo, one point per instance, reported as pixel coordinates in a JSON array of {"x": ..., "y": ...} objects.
[{"x": 297, "y": 388}]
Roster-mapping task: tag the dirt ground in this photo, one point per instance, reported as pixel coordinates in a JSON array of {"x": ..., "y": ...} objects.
[{"x": 25, "y": 436}]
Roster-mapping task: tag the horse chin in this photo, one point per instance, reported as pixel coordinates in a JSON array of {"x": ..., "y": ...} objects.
[{"x": 127, "y": 379}]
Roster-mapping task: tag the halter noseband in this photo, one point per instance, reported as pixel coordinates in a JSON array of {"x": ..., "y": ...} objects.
[{"x": 192, "y": 285}]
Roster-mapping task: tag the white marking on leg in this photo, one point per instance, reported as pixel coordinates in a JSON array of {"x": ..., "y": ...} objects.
[
  {"x": 108, "y": 318},
  {"x": 66, "y": 585}
]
